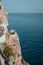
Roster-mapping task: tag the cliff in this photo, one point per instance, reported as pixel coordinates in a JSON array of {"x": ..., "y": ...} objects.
[
  {"x": 12, "y": 41},
  {"x": 10, "y": 50}
]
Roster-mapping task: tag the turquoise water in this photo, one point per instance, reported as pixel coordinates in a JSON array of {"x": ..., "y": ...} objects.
[{"x": 30, "y": 30}]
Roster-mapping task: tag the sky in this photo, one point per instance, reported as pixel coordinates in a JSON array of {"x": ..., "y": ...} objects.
[{"x": 23, "y": 6}]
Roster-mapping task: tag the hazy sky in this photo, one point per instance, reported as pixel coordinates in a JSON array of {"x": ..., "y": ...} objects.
[{"x": 24, "y": 6}]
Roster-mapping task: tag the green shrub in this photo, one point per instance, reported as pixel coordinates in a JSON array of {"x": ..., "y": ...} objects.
[{"x": 8, "y": 51}]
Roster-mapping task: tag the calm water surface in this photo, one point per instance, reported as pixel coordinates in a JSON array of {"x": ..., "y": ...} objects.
[{"x": 30, "y": 30}]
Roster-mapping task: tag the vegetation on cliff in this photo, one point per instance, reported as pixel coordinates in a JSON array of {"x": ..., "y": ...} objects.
[{"x": 8, "y": 51}]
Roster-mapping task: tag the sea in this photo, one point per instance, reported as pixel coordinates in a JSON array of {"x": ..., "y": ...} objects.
[{"x": 29, "y": 27}]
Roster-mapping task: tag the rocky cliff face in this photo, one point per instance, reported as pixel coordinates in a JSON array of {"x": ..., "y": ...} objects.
[
  {"x": 10, "y": 50},
  {"x": 12, "y": 41}
]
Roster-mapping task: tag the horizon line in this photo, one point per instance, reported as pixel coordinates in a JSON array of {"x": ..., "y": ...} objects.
[{"x": 23, "y": 12}]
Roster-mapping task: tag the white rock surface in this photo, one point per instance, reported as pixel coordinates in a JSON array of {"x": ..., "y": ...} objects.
[
  {"x": 2, "y": 60},
  {"x": 2, "y": 39}
]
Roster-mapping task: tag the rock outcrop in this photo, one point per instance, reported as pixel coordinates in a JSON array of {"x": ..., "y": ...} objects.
[{"x": 10, "y": 50}]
